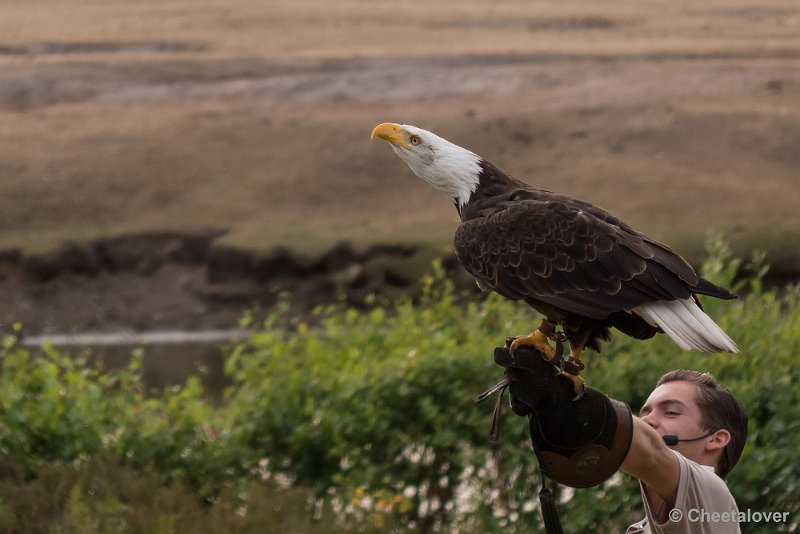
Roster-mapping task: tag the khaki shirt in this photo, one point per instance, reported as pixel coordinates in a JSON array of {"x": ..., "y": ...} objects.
[{"x": 703, "y": 504}]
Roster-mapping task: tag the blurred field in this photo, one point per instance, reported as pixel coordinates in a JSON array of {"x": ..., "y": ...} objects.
[{"x": 254, "y": 116}]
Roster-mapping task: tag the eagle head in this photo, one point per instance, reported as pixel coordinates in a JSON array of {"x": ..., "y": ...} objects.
[{"x": 446, "y": 166}]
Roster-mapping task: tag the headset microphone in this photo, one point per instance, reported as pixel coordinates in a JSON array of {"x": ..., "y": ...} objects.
[{"x": 671, "y": 440}]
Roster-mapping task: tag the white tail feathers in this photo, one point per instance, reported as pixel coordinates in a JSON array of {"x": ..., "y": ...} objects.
[{"x": 687, "y": 325}]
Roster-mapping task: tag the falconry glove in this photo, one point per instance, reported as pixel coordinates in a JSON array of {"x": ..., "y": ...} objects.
[{"x": 579, "y": 443}]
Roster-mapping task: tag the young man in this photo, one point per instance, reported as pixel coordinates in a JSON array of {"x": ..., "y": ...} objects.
[
  {"x": 682, "y": 484},
  {"x": 690, "y": 434}
]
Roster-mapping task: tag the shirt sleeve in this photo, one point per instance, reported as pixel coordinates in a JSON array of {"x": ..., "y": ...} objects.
[{"x": 704, "y": 503}]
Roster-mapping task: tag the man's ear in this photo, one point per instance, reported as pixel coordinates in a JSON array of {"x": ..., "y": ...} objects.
[{"x": 718, "y": 440}]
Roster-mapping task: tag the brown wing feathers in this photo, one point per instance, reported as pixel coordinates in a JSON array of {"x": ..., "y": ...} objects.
[{"x": 569, "y": 258}]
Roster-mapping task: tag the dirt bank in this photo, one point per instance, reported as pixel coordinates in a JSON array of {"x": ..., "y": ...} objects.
[
  {"x": 160, "y": 281},
  {"x": 188, "y": 281}
]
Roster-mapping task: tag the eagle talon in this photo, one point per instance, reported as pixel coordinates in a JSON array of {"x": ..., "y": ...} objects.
[
  {"x": 578, "y": 384},
  {"x": 537, "y": 340}
]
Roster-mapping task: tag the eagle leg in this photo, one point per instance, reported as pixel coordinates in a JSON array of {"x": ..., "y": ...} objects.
[{"x": 572, "y": 367}]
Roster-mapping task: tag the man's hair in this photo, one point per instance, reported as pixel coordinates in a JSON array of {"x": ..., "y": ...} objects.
[{"x": 718, "y": 409}]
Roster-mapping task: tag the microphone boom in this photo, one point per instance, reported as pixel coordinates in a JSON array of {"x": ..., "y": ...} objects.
[{"x": 670, "y": 440}]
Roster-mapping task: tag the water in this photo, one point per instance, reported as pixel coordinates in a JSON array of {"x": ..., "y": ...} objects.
[{"x": 169, "y": 356}]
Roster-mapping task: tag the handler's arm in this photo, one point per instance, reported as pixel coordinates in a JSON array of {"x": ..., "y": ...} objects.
[{"x": 652, "y": 462}]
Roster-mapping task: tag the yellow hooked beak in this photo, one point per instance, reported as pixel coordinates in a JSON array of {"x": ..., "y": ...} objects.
[{"x": 391, "y": 132}]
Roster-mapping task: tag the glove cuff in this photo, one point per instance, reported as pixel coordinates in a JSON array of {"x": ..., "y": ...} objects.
[{"x": 582, "y": 443}]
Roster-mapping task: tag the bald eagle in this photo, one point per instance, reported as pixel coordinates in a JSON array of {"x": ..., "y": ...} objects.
[{"x": 578, "y": 265}]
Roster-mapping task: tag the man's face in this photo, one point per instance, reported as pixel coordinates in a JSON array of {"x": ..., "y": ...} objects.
[{"x": 672, "y": 409}]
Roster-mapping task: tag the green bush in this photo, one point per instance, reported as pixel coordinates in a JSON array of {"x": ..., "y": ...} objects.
[
  {"x": 373, "y": 412},
  {"x": 55, "y": 409},
  {"x": 374, "y": 409}
]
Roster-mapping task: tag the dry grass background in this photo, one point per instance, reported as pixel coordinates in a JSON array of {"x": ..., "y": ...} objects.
[{"x": 254, "y": 116}]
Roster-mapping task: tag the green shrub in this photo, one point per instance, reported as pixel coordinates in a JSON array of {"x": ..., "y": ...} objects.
[
  {"x": 55, "y": 409},
  {"x": 374, "y": 409}
]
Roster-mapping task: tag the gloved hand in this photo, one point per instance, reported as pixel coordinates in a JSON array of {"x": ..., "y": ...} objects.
[
  {"x": 534, "y": 380},
  {"x": 579, "y": 443}
]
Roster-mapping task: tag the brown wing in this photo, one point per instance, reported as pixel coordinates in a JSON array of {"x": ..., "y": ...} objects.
[{"x": 571, "y": 255}]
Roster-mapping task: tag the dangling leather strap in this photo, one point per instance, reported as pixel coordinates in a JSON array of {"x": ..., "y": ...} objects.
[
  {"x": 552, "y": 523},
  {"x": 497, "y": 413}
]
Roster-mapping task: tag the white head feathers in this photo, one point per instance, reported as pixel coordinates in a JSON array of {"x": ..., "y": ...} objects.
[{"x": 446, "y": 166}]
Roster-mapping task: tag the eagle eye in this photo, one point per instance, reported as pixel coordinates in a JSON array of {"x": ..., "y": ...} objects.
[{"x": 415, "y": 140}]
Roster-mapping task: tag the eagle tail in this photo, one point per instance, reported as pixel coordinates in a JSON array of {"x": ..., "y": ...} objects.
[{"x": 687, "y": 325}]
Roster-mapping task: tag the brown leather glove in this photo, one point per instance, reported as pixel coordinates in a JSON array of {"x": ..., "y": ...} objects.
[{"x": 579, "y": 443}]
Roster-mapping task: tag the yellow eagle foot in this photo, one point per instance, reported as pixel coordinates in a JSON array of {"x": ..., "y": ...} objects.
[
  {"x": 572, "y": 368},
  {"x": 538, "y": 340}
]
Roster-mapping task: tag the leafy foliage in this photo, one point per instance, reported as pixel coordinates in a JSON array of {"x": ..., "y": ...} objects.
[
  {"x": 373, "y": 411},
  {"x": 55, "y": 409},
  {"x": 376, "y": 410},
  {"x": 372, "y": 408}
]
